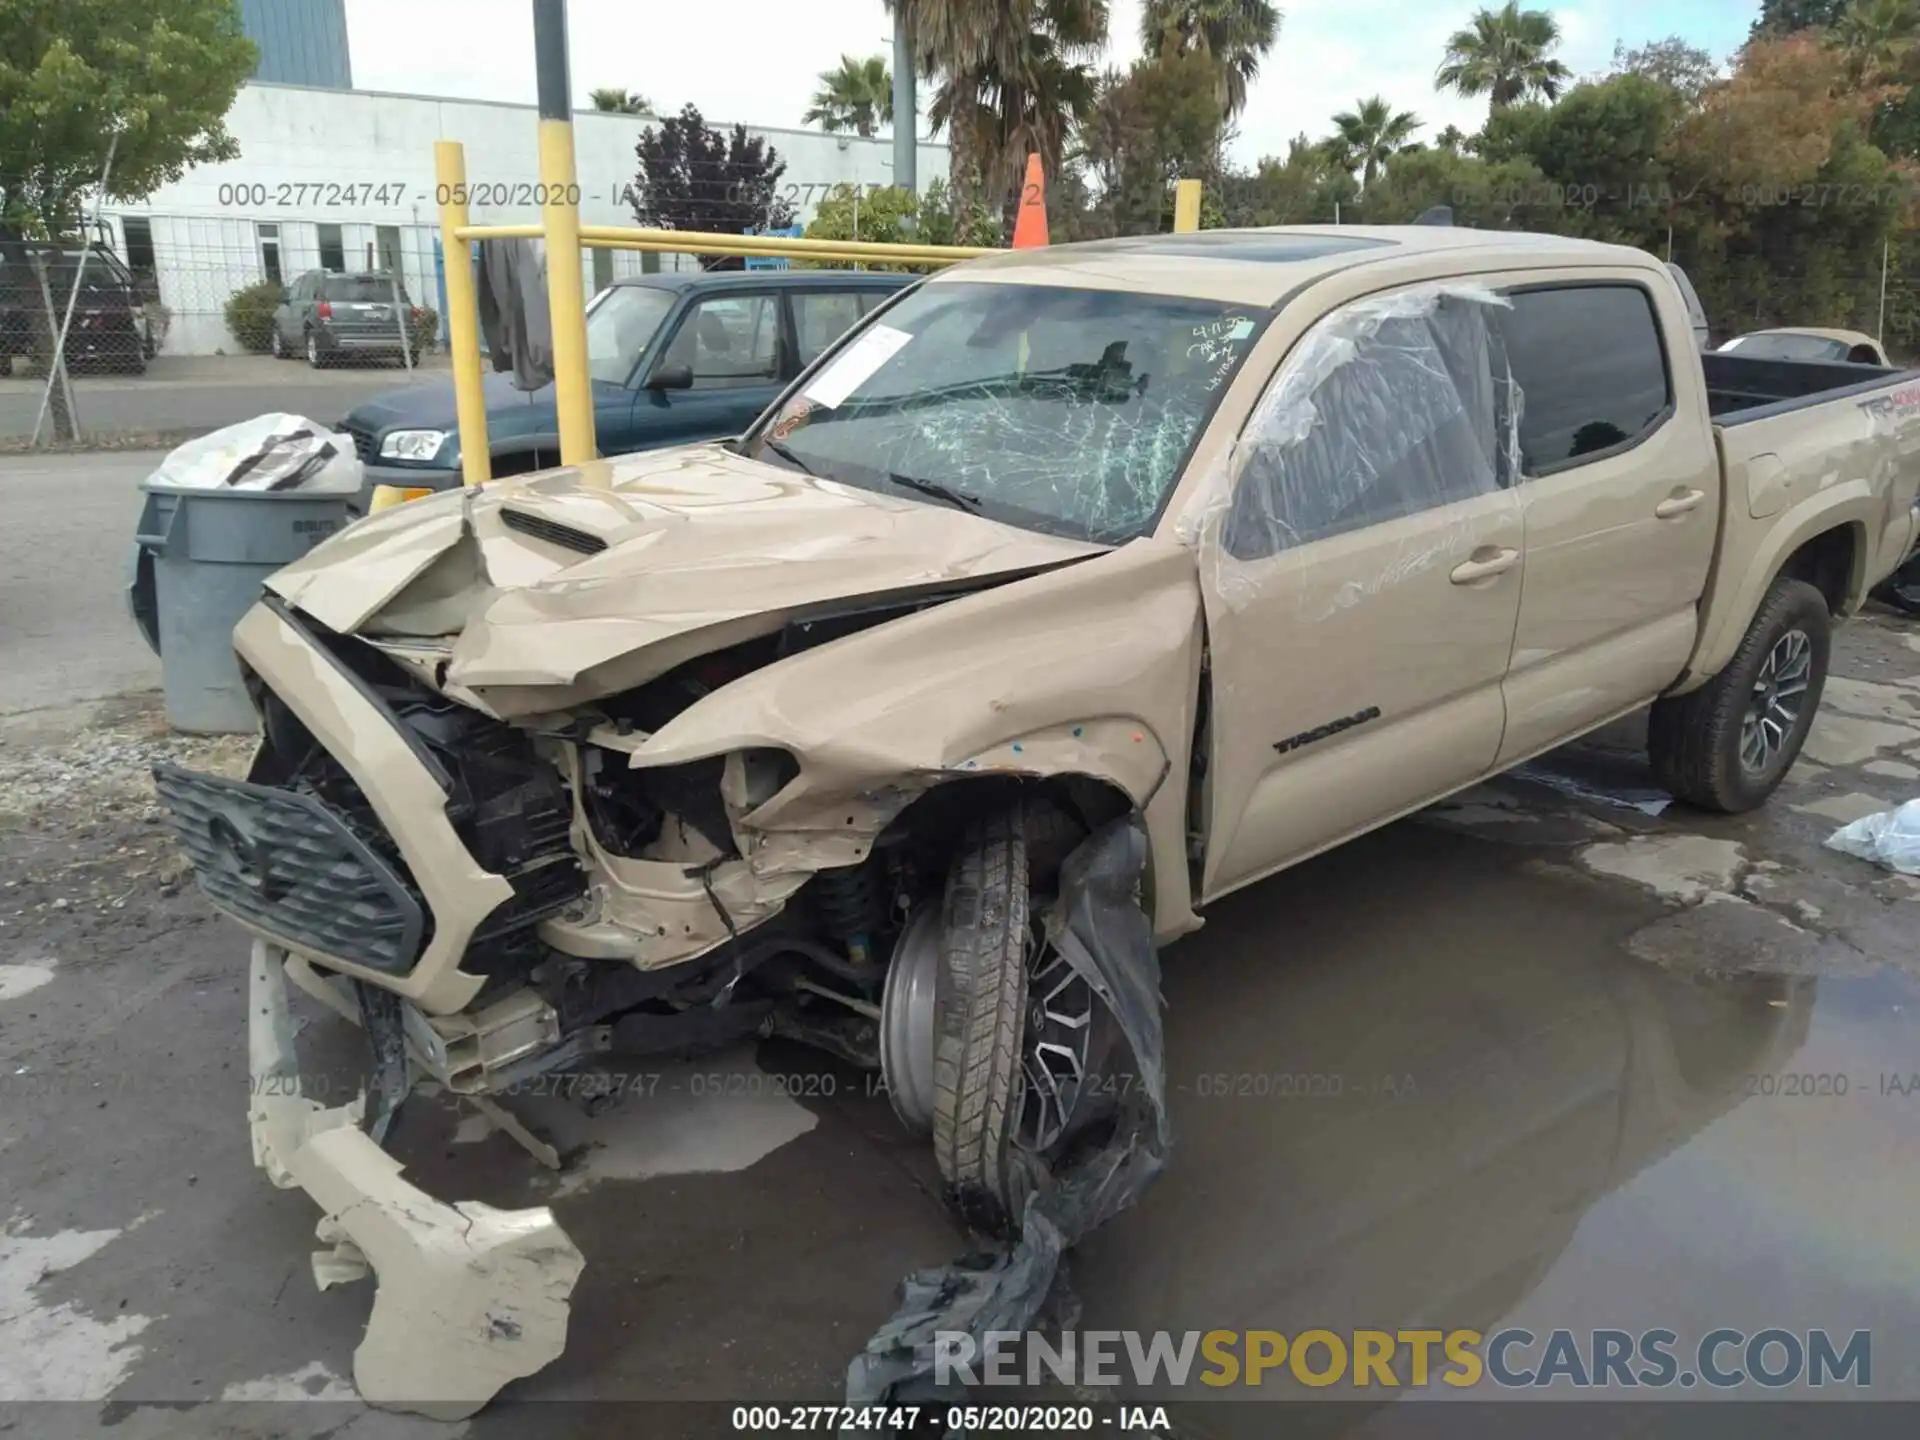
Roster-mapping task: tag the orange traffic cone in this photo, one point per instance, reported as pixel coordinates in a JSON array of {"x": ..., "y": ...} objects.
[{"x": 1030, "y": 222}]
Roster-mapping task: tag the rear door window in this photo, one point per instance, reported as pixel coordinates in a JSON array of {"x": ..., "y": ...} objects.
[
  {"x": 1591, "y": 370},
  {"x": 821, "y": 316}
]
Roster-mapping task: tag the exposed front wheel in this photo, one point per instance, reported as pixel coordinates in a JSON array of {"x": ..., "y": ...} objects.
[
  {"x": 313, "y": 350},
  {"x": 1728, "y": 745},
  {"x": 1013, "y": 1070}
]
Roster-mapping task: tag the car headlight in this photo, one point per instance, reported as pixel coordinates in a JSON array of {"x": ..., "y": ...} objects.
[{"x": 412, "y": 444}]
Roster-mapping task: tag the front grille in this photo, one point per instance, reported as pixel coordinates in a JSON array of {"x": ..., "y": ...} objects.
[
  {"x": 552, "y": 531},
  {"x": 288, "y": 865},
  {"x": 364, "y": 444}
]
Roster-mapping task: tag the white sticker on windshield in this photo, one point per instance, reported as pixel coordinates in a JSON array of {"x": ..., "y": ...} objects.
[{"x": 852, "y": 366}]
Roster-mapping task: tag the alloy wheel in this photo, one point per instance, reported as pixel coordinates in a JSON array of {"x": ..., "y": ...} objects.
[{"x": 1773, "y": 712}]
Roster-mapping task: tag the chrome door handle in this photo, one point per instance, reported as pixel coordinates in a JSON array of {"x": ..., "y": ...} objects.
[
  {"x": 1498, "y": 563},
  {"x": 1679, "y": 504}
]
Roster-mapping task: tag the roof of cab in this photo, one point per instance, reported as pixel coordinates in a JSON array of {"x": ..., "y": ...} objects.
[
  {"x": 778, "y": 279},
  {"x": 1260, "y": 266}
]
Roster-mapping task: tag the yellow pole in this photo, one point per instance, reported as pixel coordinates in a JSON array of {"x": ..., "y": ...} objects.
[
  {"x": 566, "y": 295},
  {"x": 463, "y": 312},
  {"x": 1186, "y": 206}
]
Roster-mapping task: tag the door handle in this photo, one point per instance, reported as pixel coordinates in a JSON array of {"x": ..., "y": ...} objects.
[
  {"x": 1679, "y": 504},
  {"x": 1498, "y": 563}
]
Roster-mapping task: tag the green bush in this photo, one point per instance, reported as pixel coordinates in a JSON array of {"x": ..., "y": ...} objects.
[
  {"x": 250, "y": 315},
  {"x": 426, "y": 328}
]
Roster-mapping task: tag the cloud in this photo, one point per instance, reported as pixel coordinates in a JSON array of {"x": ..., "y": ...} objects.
[{"x": 759, "y": 64}]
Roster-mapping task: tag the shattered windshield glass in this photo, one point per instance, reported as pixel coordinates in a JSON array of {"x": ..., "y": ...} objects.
[{"x": 1062, "y": 410}]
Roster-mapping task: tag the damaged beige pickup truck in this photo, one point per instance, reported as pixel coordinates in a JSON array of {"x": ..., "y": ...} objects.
[{"x": 1252, "y": 540}]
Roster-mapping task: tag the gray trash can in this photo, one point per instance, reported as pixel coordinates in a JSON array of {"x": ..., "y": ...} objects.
[{"x": 200, "y": 556}]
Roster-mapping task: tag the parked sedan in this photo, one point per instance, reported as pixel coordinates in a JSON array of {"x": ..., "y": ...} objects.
[
  {"x": 327, "y": 317},
  {"x": 1807, "y": 342},
  {"x": 674, "y": 358}
]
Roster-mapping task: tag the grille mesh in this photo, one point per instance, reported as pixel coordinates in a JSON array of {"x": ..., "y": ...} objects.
[
  {"x": 285, "y": 864},
  {"x": 363, "y": 444}
]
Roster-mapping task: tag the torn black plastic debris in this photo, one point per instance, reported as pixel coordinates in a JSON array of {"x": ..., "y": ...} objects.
[{"x": 1098, "y": 926}]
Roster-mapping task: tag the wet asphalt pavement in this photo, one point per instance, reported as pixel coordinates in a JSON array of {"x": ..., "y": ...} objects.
[{"x": 1535, "y": 1059}]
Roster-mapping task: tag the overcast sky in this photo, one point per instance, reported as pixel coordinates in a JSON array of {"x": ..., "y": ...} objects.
[{"x": 757, "y": 60}]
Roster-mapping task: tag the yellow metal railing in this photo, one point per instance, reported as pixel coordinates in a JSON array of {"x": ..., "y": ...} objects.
[{"x": 560, "y": 227}]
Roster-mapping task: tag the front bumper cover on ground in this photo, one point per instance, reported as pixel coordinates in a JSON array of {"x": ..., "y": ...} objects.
[{"x": 469, "y": 1297}]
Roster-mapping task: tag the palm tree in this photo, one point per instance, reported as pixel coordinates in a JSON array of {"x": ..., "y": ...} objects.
[
  {"x": 621, "y": 102},
  {"x": 1368, "y": 136},
  {"x": 1876, "y": 35},
  {"x": 1012, "y": 77},
  {"x": 1235, "y": 33},
  {"x": 1452, "y": 140},
  {"x": 856, "y": 96},
  {"x": 1503, "y": 55}
]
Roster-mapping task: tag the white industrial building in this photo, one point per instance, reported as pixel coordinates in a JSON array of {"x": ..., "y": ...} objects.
[{"x": 344, "y": 179}]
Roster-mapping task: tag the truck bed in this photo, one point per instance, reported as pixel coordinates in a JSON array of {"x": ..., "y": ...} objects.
[{"x": 1742, "y": 388}]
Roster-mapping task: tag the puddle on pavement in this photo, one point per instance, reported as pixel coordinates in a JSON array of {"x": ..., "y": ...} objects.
[{"x": 1420, "y": 1084}]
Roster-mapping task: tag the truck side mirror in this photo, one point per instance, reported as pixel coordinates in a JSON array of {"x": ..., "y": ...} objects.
[{"x": 671, "y": 377}]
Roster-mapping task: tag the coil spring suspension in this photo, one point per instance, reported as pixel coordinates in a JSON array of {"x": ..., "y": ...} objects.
[{"x": 853, "y": 906}]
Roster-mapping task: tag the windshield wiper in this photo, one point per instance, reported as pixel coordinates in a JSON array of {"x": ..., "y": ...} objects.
[
  {"x": 937, "y": 491},
  {"x": 785, "y": 452}
]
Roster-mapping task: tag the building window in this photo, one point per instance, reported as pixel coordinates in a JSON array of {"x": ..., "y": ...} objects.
[
  {"x": 269, "y": 238},
  {"x": 333, "y": 250},
  {"x": 137, "y": 235},
  {"x": 387, "y": 241}
]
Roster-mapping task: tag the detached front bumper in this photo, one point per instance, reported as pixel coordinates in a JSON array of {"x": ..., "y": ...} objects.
[{"x": 469, "y": 1297}]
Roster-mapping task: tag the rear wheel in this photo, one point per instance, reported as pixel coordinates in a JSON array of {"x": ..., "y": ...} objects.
[
  {"x": 1019, "y": 1036},
  {"x": 1728, "y": 745},
  {"x": 278, "y": 345}
]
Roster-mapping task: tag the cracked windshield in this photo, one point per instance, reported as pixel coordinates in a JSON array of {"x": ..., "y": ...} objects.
[{"x": 1063, "y": 410}]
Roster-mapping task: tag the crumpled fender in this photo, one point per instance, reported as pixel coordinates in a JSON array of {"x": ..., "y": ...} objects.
[{"x": 1091, "y": 670}]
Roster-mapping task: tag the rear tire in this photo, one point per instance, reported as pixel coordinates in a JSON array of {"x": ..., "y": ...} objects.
[{"x": 1704, "y": 744}]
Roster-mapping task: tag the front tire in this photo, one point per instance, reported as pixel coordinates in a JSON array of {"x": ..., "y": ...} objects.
[
  {"x": 1020, "y": 1040},
  {"x": 314, "y": 357},
  {"x": 1729, "y": 744}
]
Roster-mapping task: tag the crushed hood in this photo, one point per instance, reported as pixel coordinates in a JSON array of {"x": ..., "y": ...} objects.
[{"x": 547, "y": 581}]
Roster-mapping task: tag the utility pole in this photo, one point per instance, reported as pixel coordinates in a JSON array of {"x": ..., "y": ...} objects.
[
  {"x": 560, "y": 217},
  {"x": 905, "y": 105}
]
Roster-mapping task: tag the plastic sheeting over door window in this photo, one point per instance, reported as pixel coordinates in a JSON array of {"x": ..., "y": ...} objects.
[{"x": 1387, "y": 407}]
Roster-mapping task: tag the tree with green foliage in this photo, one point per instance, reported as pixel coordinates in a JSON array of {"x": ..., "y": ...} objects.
[
  {"x": 1366, "y": 137},
  {"x": 617, "y": 101},
  {"x": 1877, "y": 37},
  {"x": 1234, "y": 35},
  {"x": 155, "y": 80},
  {"x": 1506, "y": 55},
  {"x": 1783, "y": 17},
  {"x": 1685, "y": 69},
  {"x": 855, "y": 95},
  {"x": 1303, "y": 188},
  {"x": 1011, "y": 78},
  {"x": 693, "y": 177},
  {"x": 894, "y": 216},
  {"x": 1158, "y": 123}
]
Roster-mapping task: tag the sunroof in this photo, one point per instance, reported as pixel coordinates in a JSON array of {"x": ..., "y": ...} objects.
[{"x": 1245, "y": 245}]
